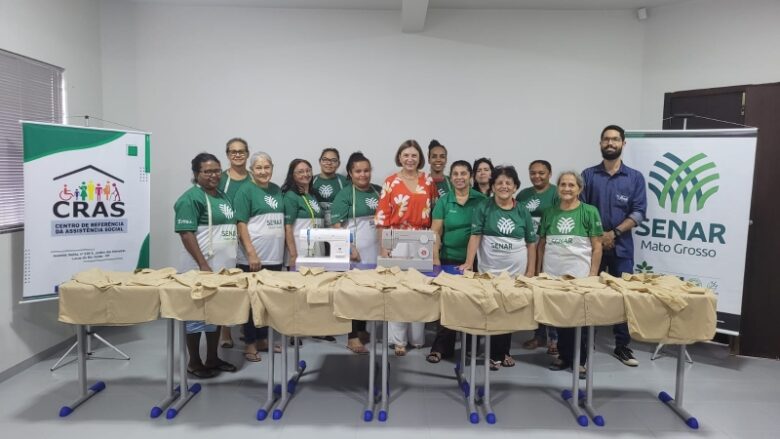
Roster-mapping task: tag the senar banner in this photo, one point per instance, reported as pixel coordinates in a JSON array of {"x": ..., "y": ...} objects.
[
  {"x": 699, "y": 186},
  {"x": 86, "y": 203}
]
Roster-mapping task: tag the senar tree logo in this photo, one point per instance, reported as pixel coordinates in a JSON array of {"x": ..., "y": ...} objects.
[
  {"x": 271, "y": 202},
  {"x": 226, "y": 210},
  {"x": 533, "y": 204},
  {"x": 565, "y": 225},
  {"x": 505, "y": 226},
  {"x": 677, "y": 183},
  {"x": 326, "y": 191}
]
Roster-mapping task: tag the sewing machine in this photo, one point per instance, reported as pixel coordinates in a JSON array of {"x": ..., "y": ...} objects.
[
  {"x": 336, "y": 240},
  {"x": 410, "y": 249}
]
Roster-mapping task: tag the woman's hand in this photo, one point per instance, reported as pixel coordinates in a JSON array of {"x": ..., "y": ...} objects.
[
  {"x": 383, "y": 252},
  {"x": 354, "y": 255},
  {"x": 254, "y": 263}
]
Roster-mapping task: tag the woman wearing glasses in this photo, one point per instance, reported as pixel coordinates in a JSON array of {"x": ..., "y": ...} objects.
[
  {"x": 301, "y": 212},
  {"x": 354, "y": 208},
  {"x": 504, "y": 236},
  {"x": 237, "y": 151},
  {"x": 405, "y": 203},
  {"x": 205, "y": 223},
  {"x": 328, "y": 183},
  {"x": 260, "y": 214}
]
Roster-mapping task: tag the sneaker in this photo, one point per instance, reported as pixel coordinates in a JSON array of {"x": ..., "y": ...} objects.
[{"x": 626, "y": 356}]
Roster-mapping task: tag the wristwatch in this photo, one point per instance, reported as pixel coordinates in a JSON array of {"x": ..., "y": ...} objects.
[{"x": 617, "y": 232}]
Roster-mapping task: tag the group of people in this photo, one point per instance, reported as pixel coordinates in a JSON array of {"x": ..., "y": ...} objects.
[{"x": 577, "y": 227}]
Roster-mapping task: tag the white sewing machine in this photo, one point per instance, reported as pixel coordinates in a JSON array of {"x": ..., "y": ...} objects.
[
  {"x": 410, "y": 249},
  {"x": 338, "y": 241}
]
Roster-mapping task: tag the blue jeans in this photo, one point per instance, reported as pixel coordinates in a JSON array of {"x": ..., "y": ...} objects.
[{"x": 617, "y": 266}]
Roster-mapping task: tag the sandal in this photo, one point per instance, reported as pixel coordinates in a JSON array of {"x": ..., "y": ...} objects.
[
  {"x": 252, "y": 357},
  {"x": 356, "y": 346},
  {"x": 364, "y": 336},
  {"x": 223, "y": 366},
  {"x": 533, "y": 344},
  {"x": 227, "y": 344},
  {"x": 558, "y": 364},
  {"x": 508, "y": 361},
  {"x": 553, "y": 350},
  {"x": 400, "y": 351},
  {"x": 494, "y": 365},
  {"x": 434, "y": 357},
  {"x": 582, "y": 372},
  {"x": 202, "y": 373}
]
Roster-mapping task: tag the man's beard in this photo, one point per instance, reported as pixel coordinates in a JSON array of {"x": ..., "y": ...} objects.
[{"x": 611, "y": 155}]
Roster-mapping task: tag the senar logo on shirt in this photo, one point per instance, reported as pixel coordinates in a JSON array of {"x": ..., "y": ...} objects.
[
  {"x": 565, "y": 225},
  {"x": 326, "y": 191},
  {"x": 226, "y": 210},
  {"x": 315, "y": 206},
  {"x": 533, "y": 204},
  {"x": 505, "y": 226},
  {"x": 271, "y": 202},
  {"x": 372, "y": 203}
]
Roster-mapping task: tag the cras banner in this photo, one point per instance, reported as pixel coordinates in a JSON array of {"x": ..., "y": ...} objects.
[
  {"x": 87, "y": 197},
  {"x": 699, "y": 187}
]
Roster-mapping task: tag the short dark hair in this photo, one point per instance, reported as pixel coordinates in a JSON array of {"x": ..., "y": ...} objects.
[
  {"x": 544, "y": 163},
  {"x": 289, "y": 180},
  {"x": 435, "y": 144},
  {"x": 354, "y": 158},
  {"x": 333, "y": 150},
  {"x": 411, "y": 143},
  {"x": 507, "y": 171},
  {"x": 236, "y": 139},
  {"x": 462, "y": 163},
  {"x": 199, "y": 160},
  {"x": 616, "y": 128}
]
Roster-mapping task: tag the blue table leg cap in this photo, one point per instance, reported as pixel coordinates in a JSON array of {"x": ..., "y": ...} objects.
[
  {"x": 693, "y": 423},
  {"x": 302, "y": 364},
  {"x": 382, "y": 416},
  {"x": 171, "y": 414},
  {"x": 474, "y": 418},
  {"x": 480, "y": 391},
  {"x": 490, "y": 418},
  {"x": 368, "y": 415},
  {"x": 665, "y": 397},
  {"x": 262, "y": 414},
  {"x": 98, "y": 386},
  {"x": 581, "y": 394},
  {"x": 582, "y": 420},
  {"x": 598, "y": 420},
  {"x": 566, "y": 394},
  {"x": 277, "y": 414},
  {"x": 278, "y": 389},
  {"x": 156, "y": 412},
  {"x": 291, "y": 386},
  {"x": 195, "y": 388},
  {"x": 65, "y": 411}
]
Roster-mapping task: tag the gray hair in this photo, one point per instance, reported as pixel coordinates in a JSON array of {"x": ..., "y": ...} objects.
[
  {"x": 259, "y": 155},
  {"x": 577, "y": 178}
]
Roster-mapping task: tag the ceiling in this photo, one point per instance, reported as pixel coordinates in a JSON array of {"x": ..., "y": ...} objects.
[{"x": 437, "y": 4}]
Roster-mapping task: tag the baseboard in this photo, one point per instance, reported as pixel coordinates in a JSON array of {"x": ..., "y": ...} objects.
[{"x": 40, "y": 356}]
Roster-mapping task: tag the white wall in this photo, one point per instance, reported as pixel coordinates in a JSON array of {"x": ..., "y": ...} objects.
[
  {"x": 708, "y": 43},
  {"x": 65, "y": 34},
  {"x": 511, "y": 85}
]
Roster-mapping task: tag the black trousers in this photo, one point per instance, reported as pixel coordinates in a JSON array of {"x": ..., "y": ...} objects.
[{"x": 566, "y": 345}]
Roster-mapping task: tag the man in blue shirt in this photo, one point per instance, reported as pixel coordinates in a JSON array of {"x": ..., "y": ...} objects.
[{"x": 620, "y": 195}]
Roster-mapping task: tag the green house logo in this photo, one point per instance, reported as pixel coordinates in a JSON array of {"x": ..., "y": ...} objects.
[{"x": 683, "y": 185}]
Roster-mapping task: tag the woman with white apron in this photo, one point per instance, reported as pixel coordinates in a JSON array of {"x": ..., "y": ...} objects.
[
  {"x": 207, "y": 227},
  {"x": 259, "y": 210},
  {"x": 354, "y": 208},
  {"x": 570, "y": 245},
  {"x": 301, "y": 212},
  {"x": 503, "y": 236}
]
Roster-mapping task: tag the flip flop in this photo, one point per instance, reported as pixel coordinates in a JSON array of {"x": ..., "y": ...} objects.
[
  {"x": 227, "y": 344},
  {"x": 253, "y": 357},
  {"x": 203, "y": 373},
  {"x": 359, "y": 349},
  {"x": 433, "y": 357},
  {"x": 223, "y": 366},
  {"x": 399, "y": 351},
  {"x": 508, "y": 361}
]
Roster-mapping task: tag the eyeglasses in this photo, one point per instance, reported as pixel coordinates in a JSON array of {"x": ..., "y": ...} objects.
[
  {"x": 607, "y": 140},
  {"x": 236, "y": 153},
  {"x": 327, "y": 160},
  {"x": 211, "y": 172}
]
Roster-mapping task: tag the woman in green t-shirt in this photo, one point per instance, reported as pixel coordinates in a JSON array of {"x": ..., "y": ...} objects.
[
  {"x": 451, "y": 223},
  {"x": 538, "y": 198},
  {"x": 206, "y": 225},
  {"x": 570, "y": 245},
  {"x": 301, "y": 212},
  {"x": 260, "y": 214},
  {"x": 503, "y": 234},
  {"x": 327, "y": 184},
  {"x": 354, "y": 208}
]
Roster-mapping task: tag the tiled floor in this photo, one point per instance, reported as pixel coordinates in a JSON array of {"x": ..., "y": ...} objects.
[{"x": 733, "y": 397}]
